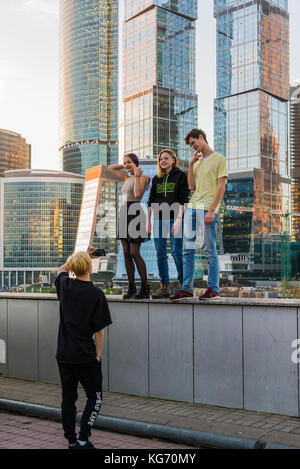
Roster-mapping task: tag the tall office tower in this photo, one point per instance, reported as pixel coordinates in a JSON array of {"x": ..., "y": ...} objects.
[
  {"x": 295, "y": 159},
  {"x": 159, "y": 76},
  {"x": 251, "y": 129},
  {"x": 88, "y": 83},
  {"x": 15, "y": 152}
]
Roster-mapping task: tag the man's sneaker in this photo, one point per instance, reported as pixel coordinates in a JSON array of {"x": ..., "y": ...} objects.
[
  {"x": 181, "y": 295},
  {"x": 72, "y": 445},
  {"x": 209, "y": 295},
  {"x": 163, "y": 292},
  {"x": 88, "y": 445}
]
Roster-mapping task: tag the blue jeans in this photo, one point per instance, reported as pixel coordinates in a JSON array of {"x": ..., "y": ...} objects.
[
  {"x": 161, "y": 230},
  {"x": 193, "y": 224}
]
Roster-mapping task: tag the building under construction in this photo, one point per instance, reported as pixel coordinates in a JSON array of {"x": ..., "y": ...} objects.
[{"x": 295, "y": 159}]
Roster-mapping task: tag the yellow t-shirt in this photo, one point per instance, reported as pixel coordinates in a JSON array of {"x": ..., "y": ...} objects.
[{"x": 207, "y": 172}]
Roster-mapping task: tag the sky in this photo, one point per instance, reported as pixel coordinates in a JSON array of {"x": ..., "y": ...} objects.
[{"x": 29, "y": 71}]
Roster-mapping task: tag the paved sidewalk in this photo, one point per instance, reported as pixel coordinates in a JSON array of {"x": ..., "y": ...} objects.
[
  {"x": 23, "y": 432},
  {"x": 265, "y": 427}
]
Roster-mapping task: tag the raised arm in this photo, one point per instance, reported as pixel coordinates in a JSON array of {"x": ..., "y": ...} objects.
[
  {"x": 118, "y": 171},
  {"x": 62, "y": 268},
  {"x": 191, "y": 177}
]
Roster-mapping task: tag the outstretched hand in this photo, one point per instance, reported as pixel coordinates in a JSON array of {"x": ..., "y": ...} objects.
[{"x": 90, "y": 251}]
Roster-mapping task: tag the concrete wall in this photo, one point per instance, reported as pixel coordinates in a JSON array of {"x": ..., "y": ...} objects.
[{"x": 232, "y": 354}]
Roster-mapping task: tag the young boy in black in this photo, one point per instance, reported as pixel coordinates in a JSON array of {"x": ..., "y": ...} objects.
[{"x": 83, "y": 312}]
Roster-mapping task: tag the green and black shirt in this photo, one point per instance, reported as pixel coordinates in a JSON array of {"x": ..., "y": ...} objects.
[{"x": 170, "y": 189}]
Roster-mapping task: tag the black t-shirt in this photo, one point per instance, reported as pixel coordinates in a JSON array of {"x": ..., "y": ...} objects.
[{"x": 83, "y": 311}]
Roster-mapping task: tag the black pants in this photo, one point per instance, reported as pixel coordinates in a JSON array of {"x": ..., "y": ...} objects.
[{"x": 90, "y": 377}]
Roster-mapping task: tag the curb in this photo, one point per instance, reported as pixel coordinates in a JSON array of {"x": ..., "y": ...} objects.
[{"x": 143, "y": 429}]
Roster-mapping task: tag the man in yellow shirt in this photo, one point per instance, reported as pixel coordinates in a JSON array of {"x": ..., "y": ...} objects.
[{"x": 207, "y": 177}]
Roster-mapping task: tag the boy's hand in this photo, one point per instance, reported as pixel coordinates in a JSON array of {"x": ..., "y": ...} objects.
[{"x": 90, "y": 252}]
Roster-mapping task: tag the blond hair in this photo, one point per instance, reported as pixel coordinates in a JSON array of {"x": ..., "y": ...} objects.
[
  {"x": 79, "y": 263},
  {"x": 160, "y": 172}
]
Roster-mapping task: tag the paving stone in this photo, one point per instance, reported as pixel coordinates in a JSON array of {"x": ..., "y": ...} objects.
[
  {"x": 196, "y": 416},
  {"x": 296, "y": 431},
  {"x": 33, "y": 439},
  {"x": 288, "y": 429}
]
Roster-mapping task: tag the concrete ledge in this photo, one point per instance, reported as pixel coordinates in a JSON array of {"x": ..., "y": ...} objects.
[
  {"x": 289, "y": 303},
  {"x": 232, "y": 353}
]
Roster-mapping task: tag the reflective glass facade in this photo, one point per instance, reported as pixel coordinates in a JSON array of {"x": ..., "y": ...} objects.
[
  {"x": 252, "y": 47},
  {"x": 251, "y": 128},
  {"x": 40, "y": 218},
  {"x": 15, "y": 153},
  {"x": 184, "y": 7},
  {"x": 295, "y": 160},
  {"x": 88, "y": 83},
  {"x": 159, "y": 76},
  {"x": 98, "y": 216}
]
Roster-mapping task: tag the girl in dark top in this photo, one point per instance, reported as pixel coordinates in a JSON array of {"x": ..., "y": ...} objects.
[
  {"x": 169, "y": 193},
  {"x": 130, "y": 233}
]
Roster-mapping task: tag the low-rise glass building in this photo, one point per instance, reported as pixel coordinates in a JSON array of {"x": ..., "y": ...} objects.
[{"x": 39, "y": 213}]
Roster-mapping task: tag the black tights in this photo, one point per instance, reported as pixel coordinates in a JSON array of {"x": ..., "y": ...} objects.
[{"x": 132, "y": 256}]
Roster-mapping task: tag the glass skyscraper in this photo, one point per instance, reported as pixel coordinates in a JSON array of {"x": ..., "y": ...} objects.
[
  {"x": 15, "y": 152},
  {"x": 39, "y": 217},
  {"x": 160, "y": 102},
  {"x": 88, "y": 83},
  {"x": 251, "y": 129}
]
